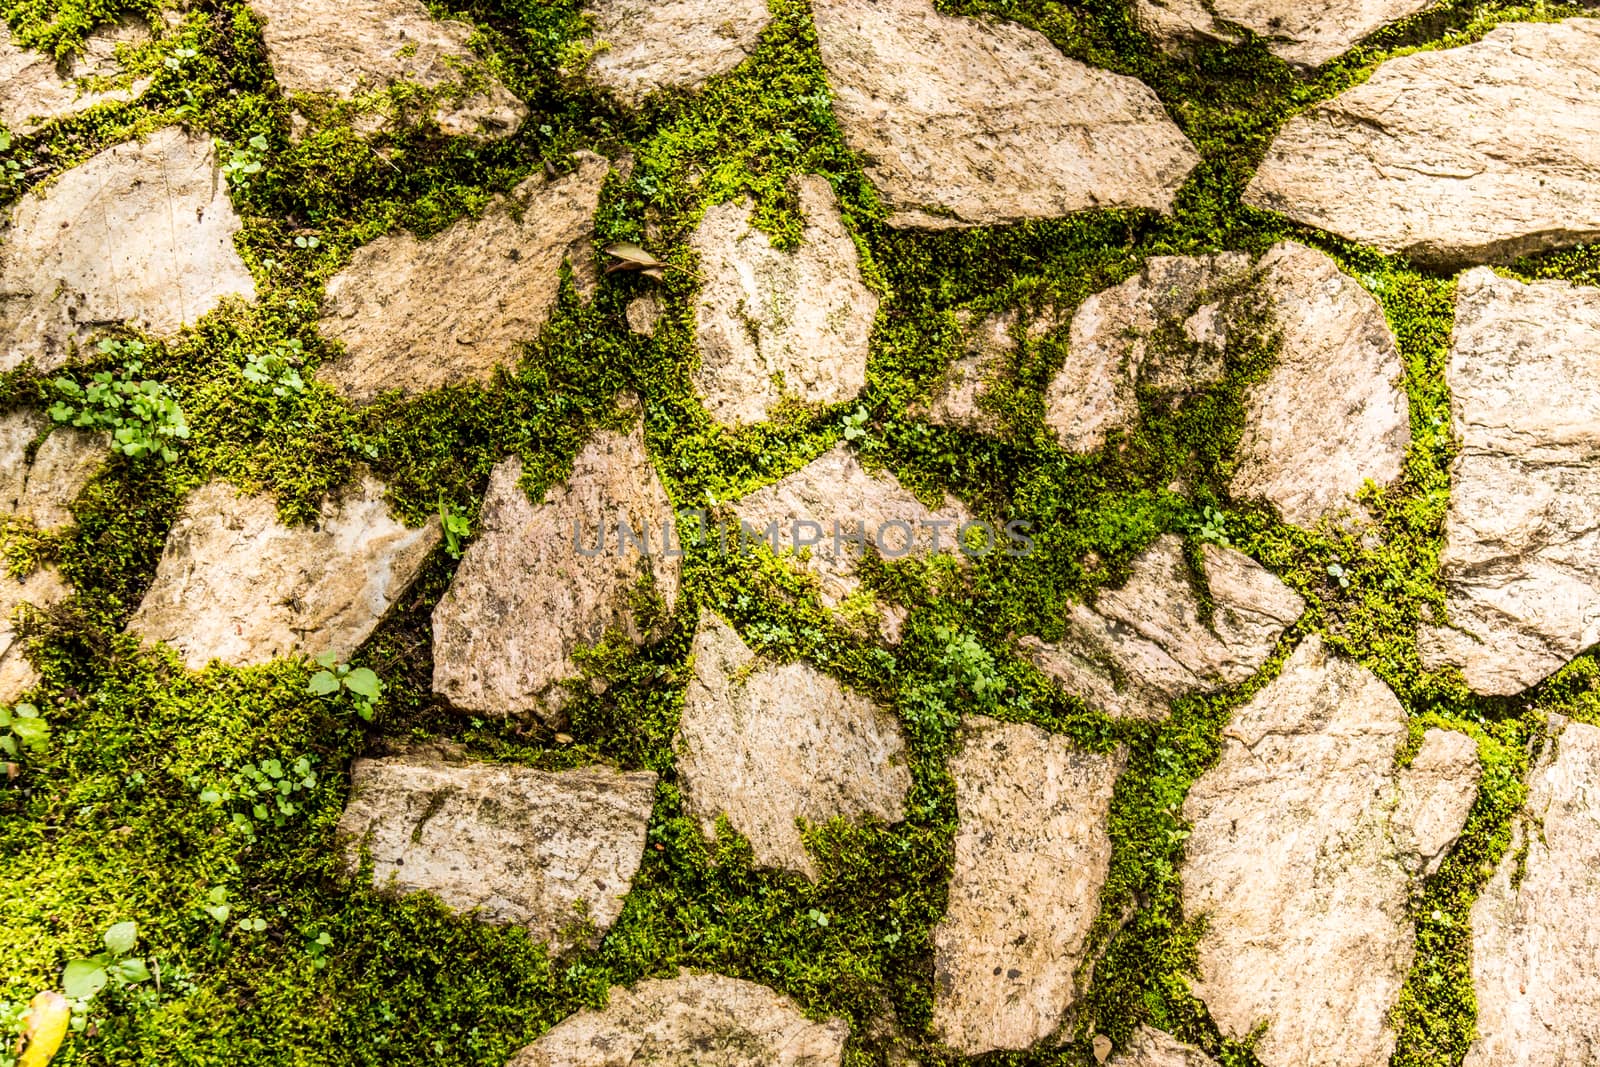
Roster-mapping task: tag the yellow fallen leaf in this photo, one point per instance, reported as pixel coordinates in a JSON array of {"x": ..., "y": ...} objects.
[{"x": 44, "y": 1027}]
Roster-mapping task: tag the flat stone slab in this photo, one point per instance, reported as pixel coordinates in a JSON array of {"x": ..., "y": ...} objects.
[
  {"x": 140, "y": 234},
  {"x": 1301, "y": 34},
  {"x": 1156, "y": 1048},
  {"x": 44, "y": 588},
  {"x": 777, "y": 325},
  {"x": 351, "y": 49},
  {"x": 1307, "y": 842},
  {"x": 693, "y": 1020},
  {"x": 1475, "y": 154},
  {"x": 1138, "y": 648},
  {"x": 1031, "y": 853},
  {"x": 237, "y": 585},
  {"x": 416, "y": 315},
  {"x": 34, "y": 91},
  {"x": 1521, "y": 558},
  {"x": 553, "y": 852},
  {"x": 767, "y": 744},
  {"x": 544, "y": 580},
  {"x": 981, "y": 122},
  {"x": 40, "y": 490},
  {"x": 648, "y": 45},
  {"x": 1536, "y": 925}
]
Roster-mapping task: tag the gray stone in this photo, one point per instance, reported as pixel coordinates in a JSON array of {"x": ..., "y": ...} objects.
[
  {"x": 43, "y": 589},
  {"x": 141, "y": 234},
  {"x": 552, "y": 852},
  {"x": 770, "y": 744},
  {"x": 35, "y": 90},
  {"x": 1460, "y": 155},
  {"x": 693, "y": 1020},
  {"x": 1031, "y": 853},
  {"x": 1307, "y": 842},
  {"x": 1138, "y": 648},
  {"x": 416, "y": 315},
  {"x": 235, "y": 584},
  {"x": 1521, "y": 558},
  {"x": 671, "y": 44},
  {"x": 40, "y": 491},
  {"x": 1301, "y": 34},
  {"x": 1154, "y": 1048},
  {"x": 978, "y": 122},
  {"x": 777, "y": 325}
]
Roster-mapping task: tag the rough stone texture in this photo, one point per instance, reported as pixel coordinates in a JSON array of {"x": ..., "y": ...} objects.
[
  {"x": 417, "y": 314},
  {"x": 41, "y": 491},
  {"x": 362, "y": 46},
  {"x": 990, "y": 351},
  {"x": 1521, "y": 558},
  {"x": 514, "y": 845},
  {"x": 1156, "y": 1048},
  {"x": 236, "y": 584},
  {"x": 693, "y": 1020},
  {"x": 772, "y": 324},
  {"x": 1302, "y": 34},
  {"x": 1459, "y": 155},
  {"x": 526, "y": 597},
  {"x": 643, "y": 313},
  {"x": 976, "y": 122},
  {"x": 34, "y": 90},
  {"x": 140, "y": 234},
  {"x": 1138, "y": 648},
  {"x": 42, "y": 589},
  {"x": 766, "y": 744},
  {"x": 671, "y": 44},
  {"x": 1535, "y": 942},
  {"x": 1031, "y": 853},
  {"x": 1306, "y": 843}
]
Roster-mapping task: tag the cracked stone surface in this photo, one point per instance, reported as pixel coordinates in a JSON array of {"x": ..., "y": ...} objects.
[
  {"x": 769, "y": 743},
  {"x": 671, "y": 44},
  {"x": 1307, "y": 841},
  {"x": 1521, "y": 558},
  {"x": 693, "y": 1020},
  {"x": 40, "y": 491},
  {"x": 416, "y": 315},
  {"x": 552, "y": 852},
  {"x": 980, "y": 122},
  {"x": 44, "y": 588},
  {"x": 1138, "y": 648},
  {"x": 959, "y": 397},
  {"x": 1476, "y": 154},
  {"x": 140, "y": 234},
  {"x": 773, "y": 325},
  {"x": 1535, "y": 938},
  {"x": 235, "y": 584},
  {"x": 35, "y": 91},
  {"x": 1301, "y": 34},
  {"x": 532, "y": 590},
  {"x": 1031, "y": 853},
  {"x": 1156, "y": 1048}
]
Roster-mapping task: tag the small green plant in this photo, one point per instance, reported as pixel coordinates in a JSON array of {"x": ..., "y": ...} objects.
[
  {"x": 142, "y": 416},
  {"x": 178, "y": 57},
  {"x": 1337, "y": 572},
  {"x": 10, "y": 169},
  {"x": 83, "y": 978},
  {"x": 855, "y": 425},
  {"x": 216, "y": 905},
  {"x": 455, "y": 525},
  {"x": 1211, "y": 525},
  {"x": 262, "y": 793},
  {"x": 318, "y": 942},
  {"x": 22, "y": 729},
  {"x": 244, "y": 161},
  {"x": 277, "y": 373},
  {"x": 360, "y": 682}
]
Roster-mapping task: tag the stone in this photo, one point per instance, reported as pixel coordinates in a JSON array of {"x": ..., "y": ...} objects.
[
  {"x": 544, "y": 580},
  {"x": 43, "y": 589},
  {"x": 40, "y": 491},
  {"x": 982, "y": 122},
  {"x": 1138, "y": 648},
  {"x": 350, "y": 50},
  {"x": 643, "y": 313},
  {"x": 646, "y": 45},
  {"x": 1536, "y": 925},
  {"x": 1302, "y": 35},
  {"x": 35, "y": 91},
  {"x": 1306, "y": 845},
  {"x": 960, "y": 398},
  {"x": 693, "y": 1020},
  {"x": 768, "y": 744},
  {"x": 1475, "y": 154},
  {"x": 237, "y": 585},
  {"x": 775, "y": 325},
  {"x": 552, "y": 852},
  {"x": 416, "y": 314},
  {"x": 140, "y": 234},
  {"x": 1156, "y": 1048},
  {"x": 1032, "y": 850},
  {"x": 1521, "y": 559}
]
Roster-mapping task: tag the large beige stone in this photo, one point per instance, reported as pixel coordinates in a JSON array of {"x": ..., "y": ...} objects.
[
  {"x": 774, "y": 325},
  {"x": 544, "y": 580},
  {"x": 552, "y": 852},
  {"x": 418, "y": 314},
  {"x": 1306, "y": 35},
  {"x": 1536, "y": 926},
  {"x": 1154, "y": 1048},
  {"x": 770, "y": 744},
  {"x": 358, "y": 47},
  {"x": 40, "y": 490},
  {"x": 1138, "y": 648},
  {"x": 693, "y": 1020},
  {"x": 1521, "y": 558},
  {"x": 647, "y": 45},
  {"x": 1031, "y": 853},
  {"x": 235, "y": 584},
  {"x": 35, "y": 89},
  {"x": 43, "y": 589},
  {"x": 141, "y": 234},
  {"x": 1461, "y": 155},
  {"x": 977, "y": 122},
  {"x": 1307, "y": 841}
]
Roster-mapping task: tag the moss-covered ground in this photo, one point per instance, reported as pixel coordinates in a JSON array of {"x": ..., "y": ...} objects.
[{"x": 106, "y": 824}]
